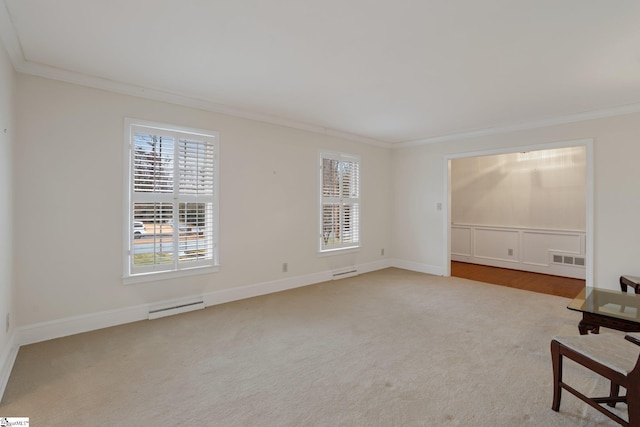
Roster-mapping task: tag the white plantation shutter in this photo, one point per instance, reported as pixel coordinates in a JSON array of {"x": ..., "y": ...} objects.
[
  {"x": 173, "y": 200},
  {"x": 196, "y": 191},
  {"x": 153, "y": 163},
  {"x": 340, "y": 201},
  {"x": 195, "y": 163}
]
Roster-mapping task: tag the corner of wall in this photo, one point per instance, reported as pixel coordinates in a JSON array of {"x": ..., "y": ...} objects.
[
  {"x": 418, "y": 267},
  {"x": 7, "y": 359}
]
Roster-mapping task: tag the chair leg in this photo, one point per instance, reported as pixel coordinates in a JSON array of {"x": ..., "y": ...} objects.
[
  {"x": 633, "y": 402},
  {"x": 615, "y": 392},
  {"x": 556, "y": 360}
]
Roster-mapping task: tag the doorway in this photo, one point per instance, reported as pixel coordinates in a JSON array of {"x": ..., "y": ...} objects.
[{"x": 523, "y": 208}]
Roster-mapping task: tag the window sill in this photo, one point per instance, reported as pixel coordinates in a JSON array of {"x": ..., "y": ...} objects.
[
  {"x": 164, "y": 275},
  {"x": 339, "y": 251}
]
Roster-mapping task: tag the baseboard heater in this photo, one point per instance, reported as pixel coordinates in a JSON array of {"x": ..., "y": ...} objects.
[
  {"x": 175, "y": 309},
  {"x": 345, "y": 272}
]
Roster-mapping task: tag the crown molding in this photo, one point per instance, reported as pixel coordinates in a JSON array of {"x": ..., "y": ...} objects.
[
  {"x": 178, "y": 98},
  {"x": 560, "y": 120},
  {"x": 11, "y": 41},
  {"x": 9, "y": 37}
]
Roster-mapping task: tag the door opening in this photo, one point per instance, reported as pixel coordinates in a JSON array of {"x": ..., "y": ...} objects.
[{"x": 525, "y": 208}]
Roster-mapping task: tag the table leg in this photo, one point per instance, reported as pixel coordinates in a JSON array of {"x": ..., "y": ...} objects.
[{"x": 585, "y": 327}]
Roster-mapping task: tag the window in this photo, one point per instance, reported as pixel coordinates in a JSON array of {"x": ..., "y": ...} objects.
[
  {"x": 340, "y": 201},
  {"x": 172, "y": 200}
]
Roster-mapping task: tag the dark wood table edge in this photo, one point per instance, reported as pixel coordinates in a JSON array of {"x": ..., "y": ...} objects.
[{"x": 592, "y": 322}]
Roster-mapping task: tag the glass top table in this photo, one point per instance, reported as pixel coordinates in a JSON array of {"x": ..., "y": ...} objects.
[{"x": 607, "y": 308}]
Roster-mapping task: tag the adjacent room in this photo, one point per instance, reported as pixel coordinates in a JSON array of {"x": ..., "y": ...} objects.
[
  {"x": 521, "y": 211},
  {"x": 245, "y": 213}
]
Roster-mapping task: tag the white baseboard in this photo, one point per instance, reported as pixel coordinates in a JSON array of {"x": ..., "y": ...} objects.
[
  {"x": 375, "y": 266},
  {"x": 78, "y": 324},
  {"x": 419, "y": 267},
  {"x": 7, "y": 359},
  {"x": 257, "y": 289},
  {"x": 44, "y": 331}
]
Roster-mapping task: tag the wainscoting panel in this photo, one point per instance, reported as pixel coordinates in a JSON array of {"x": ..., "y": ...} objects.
[
  {"x": 461, "y": 240},
  {"x": 537, "y": 245},
  {"x": 495, "y": 244},
  {"x": 556, "y": 252}
]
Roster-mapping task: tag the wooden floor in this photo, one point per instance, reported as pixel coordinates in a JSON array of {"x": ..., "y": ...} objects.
[{"x": 543, "y": 283}]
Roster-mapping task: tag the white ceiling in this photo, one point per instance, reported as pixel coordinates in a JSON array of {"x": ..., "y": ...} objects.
[{"x": 374, "y": 70}]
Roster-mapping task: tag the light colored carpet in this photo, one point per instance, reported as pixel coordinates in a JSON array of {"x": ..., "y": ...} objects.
[{"x": 390, "y": 348}]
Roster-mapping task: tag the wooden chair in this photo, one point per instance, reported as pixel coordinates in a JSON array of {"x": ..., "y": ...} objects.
[
  {"x": 610, "y": 356},
  {"x": 632, "y": 281}
]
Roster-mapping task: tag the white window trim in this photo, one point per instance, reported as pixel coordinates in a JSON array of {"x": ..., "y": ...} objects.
[
  {"x": 339, "y": 251},
  {"x": 165, "y": 275},
  {"x": 127, "y": 276},
  {"x": 323, "y": 252}
]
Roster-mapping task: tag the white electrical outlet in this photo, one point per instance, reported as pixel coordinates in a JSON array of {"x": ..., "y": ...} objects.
[
  {"x": 382, "y": 251},
  {"x": 7, "y": 323},
  {"x": 285, "y": 267}
]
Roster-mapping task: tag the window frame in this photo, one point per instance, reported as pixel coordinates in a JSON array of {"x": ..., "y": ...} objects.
[
  {"x": 324, "y": 250},
  {"x": 174, "y": 269}
]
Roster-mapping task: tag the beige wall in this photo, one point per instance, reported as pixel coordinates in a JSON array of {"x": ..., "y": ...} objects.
[
  {"x": 538, "y": 189},
  {"x": 7, "y": 83},
  {"x": 69, "y": 200},
  {"x": 68, "y": 184},
  {"x": 419, "y": 185}
]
